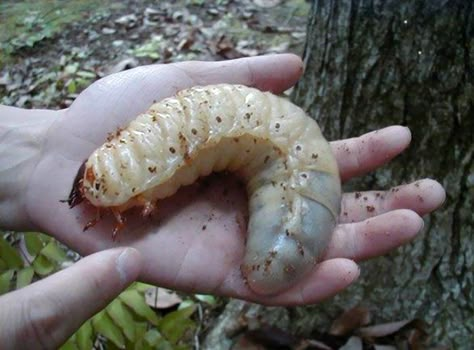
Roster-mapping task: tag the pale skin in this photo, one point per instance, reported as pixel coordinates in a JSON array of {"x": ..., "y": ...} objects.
[{"x": 194, "y": 242}]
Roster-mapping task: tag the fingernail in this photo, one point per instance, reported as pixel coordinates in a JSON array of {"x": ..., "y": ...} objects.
[{"x": 128, "y": 265}]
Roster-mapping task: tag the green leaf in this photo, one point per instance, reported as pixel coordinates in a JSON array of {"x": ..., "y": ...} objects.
[
  {"x": 84, "y": 336},
  {"x": 54, "y": 253},
  {"x": 71, "y": 68},
  {"x": 33, "y": 243},
  {"x": 174, "y": 325},
  {"x": 136, "y": 302},
  {"x": 5, "y": 281},
  {"x": 104, "y": 325},
  {"x": 24, "y": 277},
  {"x": 208, "y": 299},
  {"x": 86, "y": 74},
  {"x": 69, "y": 345},
  {"x": 42, "y": 265},
  {"x": 71, "y": 86},
  {"x": 3, "y": 265},
  {"x": 122, "y": 318},
  {"x": 185, "y": 304},
  {"x": 142, "y": 287},
  {"x": 11, "y": 257}
]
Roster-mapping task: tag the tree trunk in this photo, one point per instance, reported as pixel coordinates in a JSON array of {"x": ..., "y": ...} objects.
[{"x": 371, "y": 64}]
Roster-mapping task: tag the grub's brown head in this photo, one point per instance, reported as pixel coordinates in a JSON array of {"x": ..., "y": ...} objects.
[{"x": 77, "y": 195}]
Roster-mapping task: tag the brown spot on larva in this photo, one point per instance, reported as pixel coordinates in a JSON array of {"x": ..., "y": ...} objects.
[
  {"x": 123, "y": 141},
  {"x": 370, "y": 208},
  {"x": 218, "y": 119},
  {"x": 298, "y": 148},
  {"x": 97, "y": 186},
  {"x": 254, "y": 141},
  {"x": 314, "y": 156},
  {"x": 194, "y": 131},
  {"x": 365, "y": 198},
  {"x": 266, "y": 265},
  {"x": 154, "y": 119},
  {"x": 358, "y": 195},
  {"x": 273, "y": 183},
  {"x": 287, "y": 232},
  {"x": 204, "y": 227},
  {"x": 247, "y": 151},
  {"x": 172, "y": 150},
  {"x": 187, "y": 158},
  {"x": 90, "y": 176},
  {"x": 267, "y": 158},
  {"x": 304, "y": 176},
  {"x": 152, "y": 169},
  {"x": 289, "y": 268},
  {"x": 108, "y": 145},
  {"x": 277, "y": 125},
  {"x": 247, "y": 116},
  {"x": 236, "y": 139},
  {"x": 300, "y": 248},
  {"x": 122, "y": 166},
  {"x": 273, "y": 253},
  {"x": 134, "y": 189}
]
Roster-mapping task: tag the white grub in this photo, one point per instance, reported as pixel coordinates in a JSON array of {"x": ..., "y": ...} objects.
[{"x": 291, "y": 175}]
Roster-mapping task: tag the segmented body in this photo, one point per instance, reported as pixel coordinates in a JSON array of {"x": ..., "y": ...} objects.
[{"x": 290, "y": 173}]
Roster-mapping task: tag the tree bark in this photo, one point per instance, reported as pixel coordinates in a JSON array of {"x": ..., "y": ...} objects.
[
  {"x": 371, "y": 64},
  {"x": 374, "y": 63}
]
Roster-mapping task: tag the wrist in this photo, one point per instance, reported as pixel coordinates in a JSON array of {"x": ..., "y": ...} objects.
[{"x": 22, "y": 136}]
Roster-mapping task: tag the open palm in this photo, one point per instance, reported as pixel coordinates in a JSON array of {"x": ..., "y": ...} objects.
[{"x": 195, "y": 239}]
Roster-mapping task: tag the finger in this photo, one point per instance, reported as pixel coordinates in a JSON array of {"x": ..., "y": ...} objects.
[
  {"x": 422, "y": 197},
  {"x": 375, "y": 236},
  {"x": 327, "y": 279},
  {"x": 359, "y": 155},
  {"x": 274, "y": 73},
  {"x": 46, "y": 313}
]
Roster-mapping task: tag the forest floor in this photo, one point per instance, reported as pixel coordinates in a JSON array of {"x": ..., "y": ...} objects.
[{"x": 49, "y": 54}]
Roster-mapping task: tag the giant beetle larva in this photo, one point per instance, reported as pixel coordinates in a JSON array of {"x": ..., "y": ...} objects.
[{"x": 290, "y": 173}]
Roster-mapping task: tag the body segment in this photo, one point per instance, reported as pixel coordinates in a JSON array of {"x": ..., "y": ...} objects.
[{"x": 290, "y": 173}]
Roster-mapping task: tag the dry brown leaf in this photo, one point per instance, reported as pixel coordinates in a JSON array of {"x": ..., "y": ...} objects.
[
  {"x": 161, "y": 298},
  {"x": 353, "y": 343},
  {"x": 383, "y": 329},
  {"x": 351, "y": 319},
  {"x": 267, "y": 3},
  {"x": 384, "y": 347}
]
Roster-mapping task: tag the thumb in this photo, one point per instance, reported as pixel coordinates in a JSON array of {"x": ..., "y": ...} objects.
[{"x": 46, "y": 313}]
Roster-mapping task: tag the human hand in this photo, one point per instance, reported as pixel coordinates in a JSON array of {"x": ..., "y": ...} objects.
[
  {"x": 195, "y": 241},
  {"x": 46, "y": 313}
]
